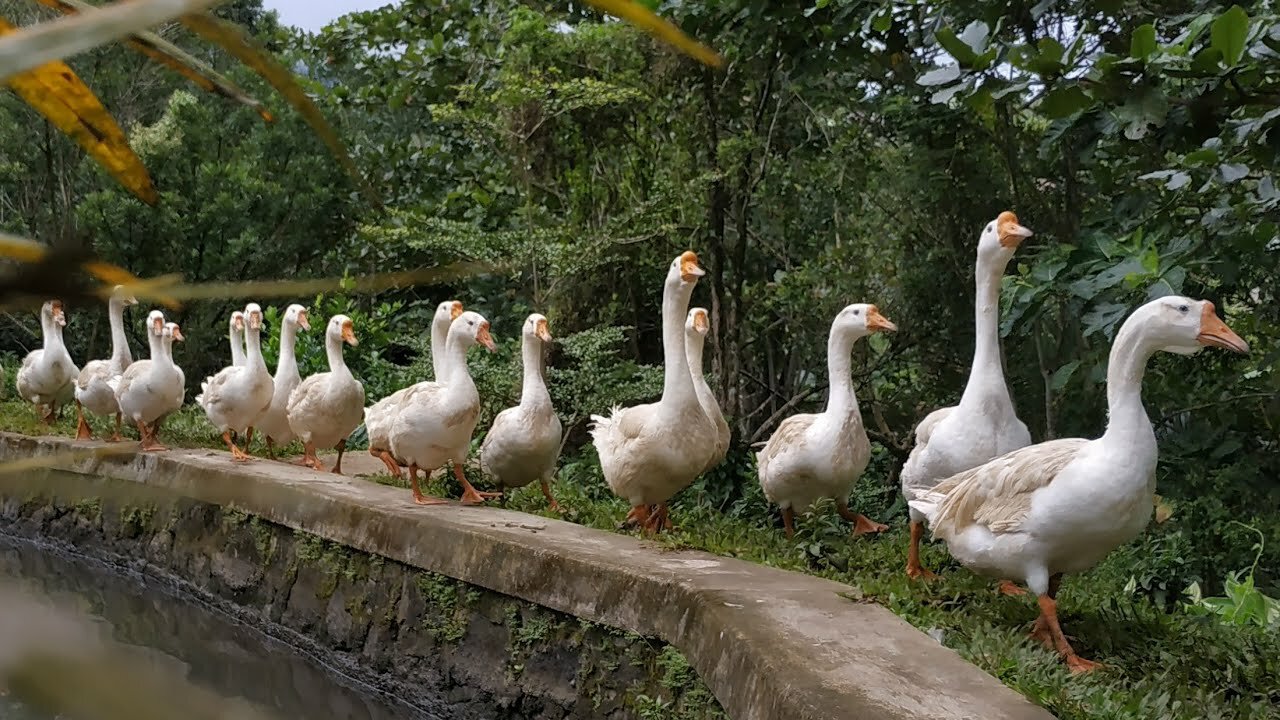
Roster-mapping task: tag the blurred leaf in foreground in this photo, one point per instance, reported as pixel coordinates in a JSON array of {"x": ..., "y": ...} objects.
[{"x": 664, "y": 30}]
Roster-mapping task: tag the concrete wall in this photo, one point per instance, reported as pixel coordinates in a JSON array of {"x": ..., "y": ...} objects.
[{"x": 770, "y": 644}]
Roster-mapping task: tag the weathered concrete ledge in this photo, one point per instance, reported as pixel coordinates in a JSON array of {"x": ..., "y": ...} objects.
[{"x": 771, "y": 644}]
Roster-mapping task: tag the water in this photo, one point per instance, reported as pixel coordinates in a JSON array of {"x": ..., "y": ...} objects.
[{"x": 77, "y": 641}]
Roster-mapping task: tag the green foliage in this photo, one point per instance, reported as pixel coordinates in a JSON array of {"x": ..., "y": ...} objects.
[{"x": 1244, "y": 603}]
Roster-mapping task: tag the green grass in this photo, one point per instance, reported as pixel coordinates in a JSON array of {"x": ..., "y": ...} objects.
[{"x": 1161, "y": 661}]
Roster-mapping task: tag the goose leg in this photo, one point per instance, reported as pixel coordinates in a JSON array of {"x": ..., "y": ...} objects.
[
  {"x": 861, "y": 524},
  {"x": 914, "y": 568},
  {"x": 546, "y": 492},
  {"x": 387, "y": 459},
  {"x": 638, "y": 517},
  {"x": 418, "y": 497},
  {"x": 658, "y": 520},
  {"x": 471, "y": 496},
  {"x": 115, "y": 435},
  {"x": 1040, "y": 630},
  {"x": 150, "y": 440},
  {"x": 1008, "y": 587},
  {"x": 248, "y": 438},
  {"x": 1049, "y": 613},
  {"x": 236, "y": 453},
  {"x": 82, "y": 426},
  {"x": 337, "y": 466},
  {"x": 271, "y": 447},
  {"x": 788, "y": 521},
  {"x": 309, "y": 456}
]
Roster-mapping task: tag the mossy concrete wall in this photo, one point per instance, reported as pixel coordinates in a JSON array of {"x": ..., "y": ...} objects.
[{"x": 769, "y": 644}]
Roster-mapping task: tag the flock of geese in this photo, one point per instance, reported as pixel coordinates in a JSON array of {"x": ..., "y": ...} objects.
[{"x": 1005, "y": 507}]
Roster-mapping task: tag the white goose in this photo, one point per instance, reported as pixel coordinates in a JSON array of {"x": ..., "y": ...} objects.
[
  {"x": 235, "y": 336},
  {"x": 650, "y": 452},
  {"x": 1061, "y": 506},
  {"x": 696, "y": 328},
  {"x": 436, "y": 420},
  {"x": 327, "y": 406},
  {"x": 94, "y": 389},
  {"x": 274, "y": 423},
  {"x": 147, "y": 389},
  {"x": 379, "y": 417},
  {"x": 815, "y": 456},
  {"x": 47, "y": 378},
  {"x": 524, "y": 442},
  {"x": 984, "y": 425},
  {"x": 238, "y": 395}
]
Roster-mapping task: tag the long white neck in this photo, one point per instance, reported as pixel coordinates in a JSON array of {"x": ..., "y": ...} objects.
[
  {"x": 677, "y": 384},
  {"x": 155, "y": 346},
  {"x": 237, "y": 346},
  {"x": 253, "y": 348},
  {"x": 986, "y": 377},
  {"x": 165, "y": 358},
  {"x": 120, "y": 355},
  {"x": 287, "y": 363},
  {"x": 533, "y": 392},
  {"x": 52, "y": 333},
  {"x": 439, "y": 339},
  {"x": 1127, "y": 421},
  {"x": 841, "y": 401},
  {"x": 333, "y": 351},
  {"x": 455, "y": 368}
]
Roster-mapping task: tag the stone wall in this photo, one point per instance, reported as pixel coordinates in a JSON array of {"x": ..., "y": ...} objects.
[{"x": 453, "y": 649}]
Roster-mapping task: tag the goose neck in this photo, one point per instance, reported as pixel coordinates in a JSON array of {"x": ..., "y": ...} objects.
[
  {"x": 333, "y": 352},
  {"x": 677, "y": 384},
  {"x": 455, "y": 368},
  {"x": 533, "y": 390},
  {"x": 986, "y": 376},
  {"x": 841, "y": 400},
  {"x": 439, "y": 341},
  {"x": 1127, "y": 420},
  {"x": 120, "y": 354},
  {"x": 288, "y": 360}
]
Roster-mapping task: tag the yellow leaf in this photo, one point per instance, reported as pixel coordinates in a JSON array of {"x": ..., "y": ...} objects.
[
  {"x": 1164, "y": 510},
  {"x": 29, "y": 251},
  {"x": 234, "y": 40},
  {"x": 175, "y": 58},
  {"x": 660, "y": 28},
  {"x": 59, "y": 39},
  {"x": 56, "y": 92}
]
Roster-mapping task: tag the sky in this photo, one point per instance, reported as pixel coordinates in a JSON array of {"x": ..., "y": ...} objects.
[{"x": 312, "y": 15}]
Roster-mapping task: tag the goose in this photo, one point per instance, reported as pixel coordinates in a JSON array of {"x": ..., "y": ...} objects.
[
  {"x": 523, "y": 443},
  {"x": 1061, "y": 506},
  {"x": 695, "y": 334},
  {"x": 379, "y": 417},
  {"x": 984, "y": 425},
  {"x": 235, "y": 336},
  {"x": 435, "y": 420},
  {"x": 47, "y": 378},
  {"x": 148, "y": 389},
  {"x": 648, "y": 453},
  {"x": 326, "y": 407},
  {"x": 94, "y": 385},
  {"x": 815, "y": 456},
  {"x": 274, "y": 423},
  {"x": 238, "y": 395}
]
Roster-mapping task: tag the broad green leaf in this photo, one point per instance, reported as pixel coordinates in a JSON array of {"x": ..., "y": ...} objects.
[
  {"x": 939, "y": 76},
  {"x": 660, "y": 28},
  {"x": 975, "y": 35},
  {"x": 959, "y": 50},
  {"x": 1143, "y": 41},
  {"x": 56, "y": 92},
  {"x": 1064, "y": 101},
  {"x": 57, "y": 39},
  {"x": 1062, "y": 375},
  {"x": 235, "y": 41},
  {"x": 175, "y": 58},
  {"x": 1231, "y": 172},
  {"x": 1228, "y": 34}
]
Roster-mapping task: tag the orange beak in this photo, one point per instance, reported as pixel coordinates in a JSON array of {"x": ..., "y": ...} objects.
[
  {"x": 157, "y": 326},
  {"x": 177, "y": 334},
  {"x": 255, "y": 320},
  {"x": 543, "y": 333},
  {"x": 484, "y": 338},
  {"x": 1215, "y": 333},
  {"x": 58, "y": 315},
  {"x": 700, "y": 322},
  {"x": 349, "y": 334},
  {"x": 456, "y": 311},
  {"x": 303, "y": 321},
  {"x": 878, "y": 322},
  {"x": 689, "y": 270},
  {"x": 1011, "y": 233},
  {"x": 239, "y": 321}
]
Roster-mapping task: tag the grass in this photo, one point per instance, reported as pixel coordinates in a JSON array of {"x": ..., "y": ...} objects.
[{"x": 1161, "y": 662}]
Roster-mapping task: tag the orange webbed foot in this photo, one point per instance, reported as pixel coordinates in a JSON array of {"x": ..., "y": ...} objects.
[{"x": 1008, "y": 587}]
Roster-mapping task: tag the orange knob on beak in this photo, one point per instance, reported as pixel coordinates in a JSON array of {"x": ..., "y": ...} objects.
[
  {"x": 1214, "y": 332},
  {"x": 304, "y": 322},
  {"x": 1010, "y": 232},
  {"x": 455, "y": 311},
  {"x": 484, "y": 338},
  {"x": 543, "y": 333},
  {"x": 349, "y": 334},
  {"x": 877, "y": 322},
  {"x": 689, "y": 270}
]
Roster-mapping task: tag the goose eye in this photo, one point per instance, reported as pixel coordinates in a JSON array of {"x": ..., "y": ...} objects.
[
  {"x": 857, "y": 313},
  {"x": 1183, "y": 308},
  {"x": 471, "y": 322}
]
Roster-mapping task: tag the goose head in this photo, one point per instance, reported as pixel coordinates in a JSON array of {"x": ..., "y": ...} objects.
[
  {"x": 684, "y": 269},
  {"x": 473, "y": 328},
  {"x": 122, "y": 296},
  {"x": 155, "y": 323},
  {"x": 449, "y": 310},
  {"x": 1002, "y": 236},
  {"x": 52, "y": 312},
  {"x": 698, "y": 322},
  {"x": 253, "y": 317},
  {"x": 296, "y": 315},
  {"x": 236, "y": 322},
  {"x": 342, "y": 329},
  {"x": 1182, "y": 325},
  {"x": 535, "y": 326},
  {"x": 173, "y": 332},
  {"x": 860, "y": 319}
]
